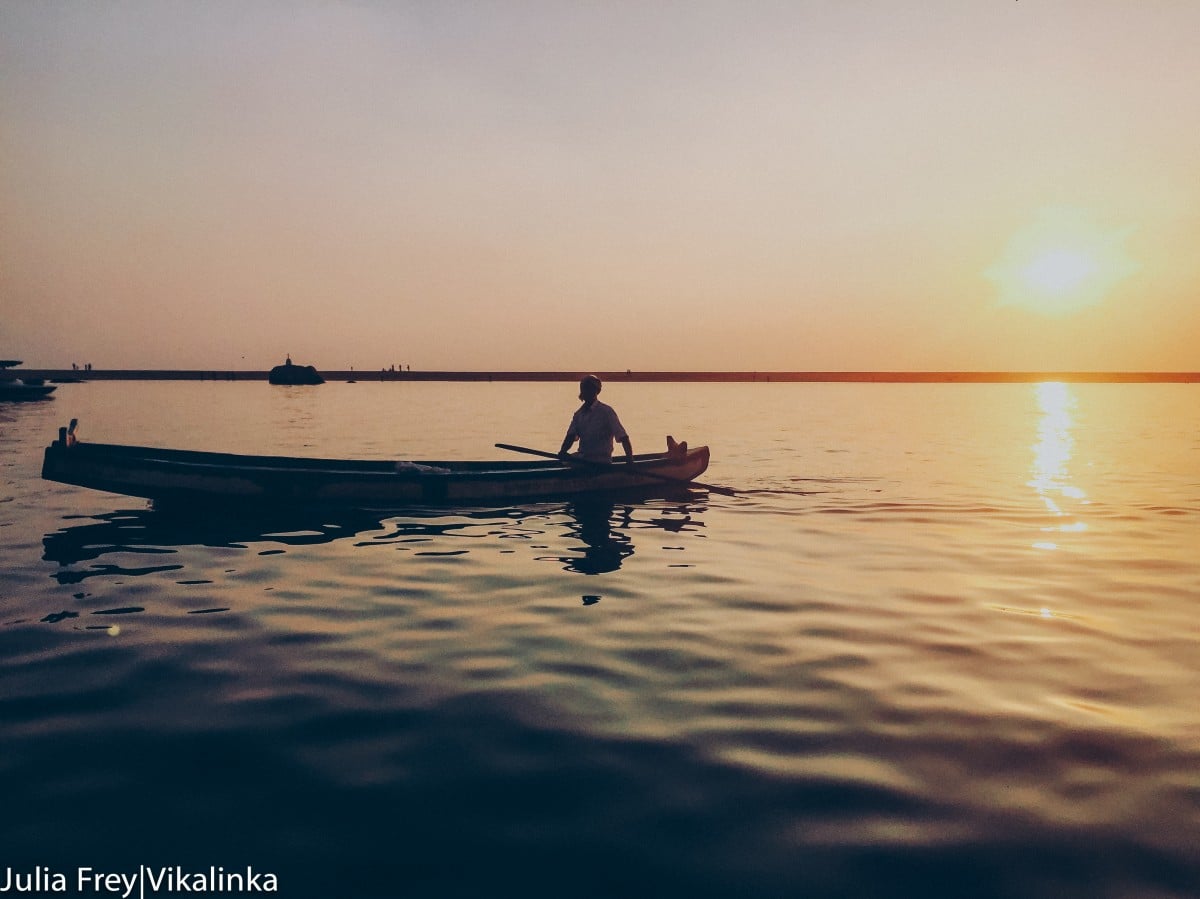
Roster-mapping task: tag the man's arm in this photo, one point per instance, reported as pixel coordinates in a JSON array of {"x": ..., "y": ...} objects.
[
  {"x": 628, "y": 444},
  {"x": 567, "y": 441}
]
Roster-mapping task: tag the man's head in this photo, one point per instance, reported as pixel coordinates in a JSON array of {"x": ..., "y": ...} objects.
[{"x": 589, "y": 388}]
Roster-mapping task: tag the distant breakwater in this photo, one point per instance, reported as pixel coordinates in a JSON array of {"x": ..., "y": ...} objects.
[{"x": 858, "y": 377}]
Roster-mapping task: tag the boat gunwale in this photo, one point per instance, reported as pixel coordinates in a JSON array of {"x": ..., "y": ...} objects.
[{"x": 295, "y": 464}]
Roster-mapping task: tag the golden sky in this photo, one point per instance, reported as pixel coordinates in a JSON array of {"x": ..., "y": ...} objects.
[{"x": 811, "y": 184}]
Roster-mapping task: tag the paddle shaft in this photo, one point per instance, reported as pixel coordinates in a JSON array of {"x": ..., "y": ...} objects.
[{"x": 588, "y": 463}]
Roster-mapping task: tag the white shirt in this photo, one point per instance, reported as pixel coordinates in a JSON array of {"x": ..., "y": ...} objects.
[{"x": 596, "y": 427}]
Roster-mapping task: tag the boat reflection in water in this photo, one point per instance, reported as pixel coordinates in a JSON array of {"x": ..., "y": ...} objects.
[
  {"x": 155, "y": 532},
  {"x": 605, "y": 529},
  {"x": 155, "y": 541}
]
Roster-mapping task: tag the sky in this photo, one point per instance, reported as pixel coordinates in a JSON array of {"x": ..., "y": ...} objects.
[{"x": 744, "y": 185}]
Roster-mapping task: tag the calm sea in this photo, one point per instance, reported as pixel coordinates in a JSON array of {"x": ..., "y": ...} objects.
[{"x": 946, "y": 642}]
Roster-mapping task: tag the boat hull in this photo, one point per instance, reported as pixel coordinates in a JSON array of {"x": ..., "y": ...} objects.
[
  {"x": 18, "y": 391},
  {"x": 188, "y": 476}
]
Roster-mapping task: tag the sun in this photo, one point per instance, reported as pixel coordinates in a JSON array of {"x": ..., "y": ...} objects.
[
  {"x": 1061, "y": 263},
  {"x": 1059, "y": 272}
]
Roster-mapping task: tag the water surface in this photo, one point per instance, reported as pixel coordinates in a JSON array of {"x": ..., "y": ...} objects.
[{"x": 943, "y": 643}]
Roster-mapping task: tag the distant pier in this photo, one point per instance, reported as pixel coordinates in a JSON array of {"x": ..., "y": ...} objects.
[{"x": 856, "y": 377}]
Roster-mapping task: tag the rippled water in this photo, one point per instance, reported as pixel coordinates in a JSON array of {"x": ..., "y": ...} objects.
[{"x": 944, "y": 643}]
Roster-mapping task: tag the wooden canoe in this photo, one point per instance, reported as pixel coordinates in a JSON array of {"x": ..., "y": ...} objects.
[{"x": 190, "y": 476}]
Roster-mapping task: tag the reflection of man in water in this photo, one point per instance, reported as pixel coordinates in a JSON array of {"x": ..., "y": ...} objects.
[
  {"x": 595, "y": 425},
  {"x": 604, "y": 549}
]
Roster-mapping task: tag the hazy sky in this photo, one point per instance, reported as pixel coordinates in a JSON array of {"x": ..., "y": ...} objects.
[{"x": 813, "y": 184}]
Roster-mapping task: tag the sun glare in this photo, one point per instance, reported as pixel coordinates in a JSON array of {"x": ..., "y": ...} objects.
[
  {"x": 1059, "y": 271},
  {"x": 1051, "y": 457},
  {"x": 1061, "y": 263}
]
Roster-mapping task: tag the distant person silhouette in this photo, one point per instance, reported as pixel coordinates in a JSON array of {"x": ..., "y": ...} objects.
[{"x": 595, "y": 425}]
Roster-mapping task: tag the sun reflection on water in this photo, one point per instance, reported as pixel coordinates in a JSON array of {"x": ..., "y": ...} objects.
[{"x": 1052, "y": 453}]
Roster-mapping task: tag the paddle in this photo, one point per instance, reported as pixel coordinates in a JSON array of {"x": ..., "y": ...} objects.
[{"x": 587, "y": 463}]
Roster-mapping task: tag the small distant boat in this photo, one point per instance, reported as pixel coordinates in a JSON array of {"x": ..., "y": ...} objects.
[
  {"x": 25, "y": 389},
  {"x": 294, "y": 375},
  {"x": 189, "y": 476},
  {"x": 17, "y": 389}
]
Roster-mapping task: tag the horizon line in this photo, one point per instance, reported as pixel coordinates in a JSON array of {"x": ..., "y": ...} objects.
[{"x": 630, "y": 375}]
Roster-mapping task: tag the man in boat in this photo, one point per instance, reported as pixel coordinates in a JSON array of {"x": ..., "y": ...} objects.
[{"x": 595, "y": 425}]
